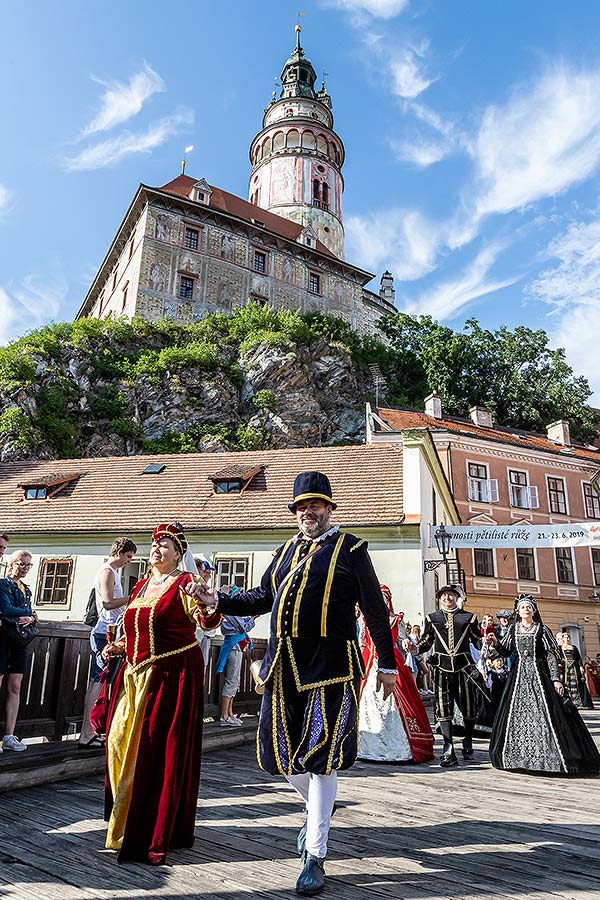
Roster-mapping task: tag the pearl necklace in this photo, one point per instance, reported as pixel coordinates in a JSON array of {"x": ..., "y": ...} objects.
[{"x": 163, "y": 578}]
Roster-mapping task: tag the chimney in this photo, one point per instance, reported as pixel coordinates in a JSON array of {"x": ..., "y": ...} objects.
[
  {"x": 559, "y": 433},
  {"x": 433, "y": 405},
  {"x": 386, "y": 289},
  {"x": 481, "y": 416}
]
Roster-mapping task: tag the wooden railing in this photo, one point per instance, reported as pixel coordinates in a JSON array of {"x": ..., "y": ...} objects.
[{"x": 57, "y": 676}]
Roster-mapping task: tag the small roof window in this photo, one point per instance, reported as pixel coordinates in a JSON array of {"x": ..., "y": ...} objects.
[
  {"x": 154, "y": 469},
  {"x": 234, "y": 479},
  {"x": 45, "y": 486}
]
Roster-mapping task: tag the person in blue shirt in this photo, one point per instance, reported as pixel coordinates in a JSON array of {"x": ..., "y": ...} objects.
[
  {"x": 235, "y": 640},
  {"x": 15, "y": 604}
]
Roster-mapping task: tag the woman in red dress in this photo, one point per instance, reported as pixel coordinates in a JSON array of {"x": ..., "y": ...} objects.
[
  {"x": 154, "y": 730},
  {"x": 396, "y": 729}
]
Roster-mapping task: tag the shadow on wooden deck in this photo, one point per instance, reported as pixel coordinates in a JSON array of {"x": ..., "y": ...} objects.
[{"x": 401, "y": 833}]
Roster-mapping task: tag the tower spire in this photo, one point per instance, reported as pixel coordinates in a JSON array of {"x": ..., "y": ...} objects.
[{"x": 297, "y": 156}]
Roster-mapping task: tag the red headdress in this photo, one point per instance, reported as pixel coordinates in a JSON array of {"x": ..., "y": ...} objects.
[
  {"x": 387, "y": 596},
  {"x": 174, "y": 531}
]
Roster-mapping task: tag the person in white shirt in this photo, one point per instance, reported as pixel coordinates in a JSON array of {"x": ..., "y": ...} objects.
[{"x": 110, "y": 604}]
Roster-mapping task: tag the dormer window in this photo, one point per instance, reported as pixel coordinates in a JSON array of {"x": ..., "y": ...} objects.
[
  {"x": 201, "y": 192},
  {"x": 36, "y": 493},
  {"x": 228, "y": 487},
  {"x": 47, "y": 486},
  {"x": 235, "y": 479},
  {"x": 308, "y": 236}
]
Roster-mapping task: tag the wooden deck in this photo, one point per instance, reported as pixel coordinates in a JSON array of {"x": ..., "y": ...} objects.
[{"x": 402, "y": 832}]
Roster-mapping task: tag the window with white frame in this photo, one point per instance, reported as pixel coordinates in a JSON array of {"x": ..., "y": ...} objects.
[
  {"x": 592, "y": 502},
  {"x": 564, "y": 565},
  {"x": 522, "y": 494},
  {"x": 232, "y": 571},
  {"x": 54, "y": 581},
  {"x": 484, "y": 562},
  {"x": 557, "y": 497},
  {"x": 481, "y": 488}
]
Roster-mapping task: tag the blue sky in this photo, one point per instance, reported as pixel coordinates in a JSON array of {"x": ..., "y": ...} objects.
[{"x": 472, "y": 133}]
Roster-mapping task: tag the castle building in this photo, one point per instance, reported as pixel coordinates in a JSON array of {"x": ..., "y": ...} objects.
[{"x": 189, "y": 248}]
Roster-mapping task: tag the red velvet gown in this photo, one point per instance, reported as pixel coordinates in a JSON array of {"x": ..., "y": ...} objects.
[
  {"x": 404, "y": 703},
  {"x": 154, "y": 732}
]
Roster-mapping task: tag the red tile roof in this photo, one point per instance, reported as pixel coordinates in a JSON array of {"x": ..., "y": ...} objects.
[
  {"x": 113, "y": 496},
  {"x": 402, "y": 419},
  {"x": 242, "y": 209}
]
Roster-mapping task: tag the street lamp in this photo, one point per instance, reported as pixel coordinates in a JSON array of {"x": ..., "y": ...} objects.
[{"x": 442, "y": 539}]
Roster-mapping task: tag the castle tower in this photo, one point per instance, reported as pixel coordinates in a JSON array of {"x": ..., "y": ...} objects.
[{"x": 297, "y": 157}]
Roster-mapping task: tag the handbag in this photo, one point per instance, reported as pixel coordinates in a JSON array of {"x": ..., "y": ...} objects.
[
  {"x": 91, "y": 611},
  {"x": 21, "y": 635},
  {"x": 99, "y": 711}
]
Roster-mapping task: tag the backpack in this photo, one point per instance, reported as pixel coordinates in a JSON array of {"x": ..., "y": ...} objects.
[{"x": 91, "y": 611}]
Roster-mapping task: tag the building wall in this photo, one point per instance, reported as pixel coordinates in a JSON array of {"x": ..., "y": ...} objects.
[
  {"x": 562, "y": 603},
  {"x": 118, "y": 296},
  {"x": 222, "y": 269}
]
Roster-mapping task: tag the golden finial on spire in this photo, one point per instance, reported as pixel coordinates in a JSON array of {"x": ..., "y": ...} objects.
[{"x": 298, "y": 29}]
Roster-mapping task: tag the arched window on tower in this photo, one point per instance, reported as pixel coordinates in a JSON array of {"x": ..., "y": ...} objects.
[
  {"x": 322, "y": 143},
  {"x": 279, "y": 141},
  {"x": 308, "y": 140},
  {"x": 325, "y": 196},
  {"x": 316, "y": 199},
  {"x": 293, "y": 138}
]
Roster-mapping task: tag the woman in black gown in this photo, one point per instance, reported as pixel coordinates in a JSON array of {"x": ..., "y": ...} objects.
[
  {"x": 572, "y": 673},
  {"x": 537, "y": 728}
]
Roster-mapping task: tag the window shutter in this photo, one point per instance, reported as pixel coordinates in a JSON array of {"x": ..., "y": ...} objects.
[
  {"x": 472, "y": 489},
  {"x": 493, "y": 490},
  {"x": 533, "y": 497}
]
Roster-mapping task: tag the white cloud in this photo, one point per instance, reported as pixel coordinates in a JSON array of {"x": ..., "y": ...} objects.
[
  {"x": 407, "y": 68},
  {"x": 420, "y": 152},
  {"x": 5, "y": 200},
  {"x": 382, "y": 9},
  {"x": 545, "y": 139},
  {"x": 446, "y": 299},
  {"x": 30, "y": 304},
  {"x": 572, "y": 289},
  {"x": 121, "y": 102},
  {"x": 107, "y": 152},
  {"x": 403, "y": 241}
]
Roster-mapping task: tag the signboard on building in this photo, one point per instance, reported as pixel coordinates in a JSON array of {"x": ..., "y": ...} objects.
[{"x": 580, "y": 534}]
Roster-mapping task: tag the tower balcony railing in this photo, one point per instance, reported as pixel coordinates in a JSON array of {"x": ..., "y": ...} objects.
[{"x": 321, "y": 204}]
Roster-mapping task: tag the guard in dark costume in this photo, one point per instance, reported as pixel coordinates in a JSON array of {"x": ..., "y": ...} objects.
[
  {"x": 308, "y": 728},
  {"x": 450, "y": 630}
]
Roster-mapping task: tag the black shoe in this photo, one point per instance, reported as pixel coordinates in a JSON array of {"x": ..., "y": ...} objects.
[
  {"x": 448, "y": 759},
  {"x": 301, "y": 839},
  {"x": 468, "y": 752},
  {"x": 312, "y": 876}
]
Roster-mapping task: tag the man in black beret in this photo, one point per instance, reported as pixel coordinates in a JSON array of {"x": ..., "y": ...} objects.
[
  {"x": 450, "y": 630},
  {"x": 308, "y": 727}
]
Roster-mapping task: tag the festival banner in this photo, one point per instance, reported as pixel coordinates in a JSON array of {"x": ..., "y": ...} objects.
[{"x": 580, "y": 534}]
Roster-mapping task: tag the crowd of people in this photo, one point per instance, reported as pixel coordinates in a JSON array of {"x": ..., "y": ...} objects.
[{"x": 344, "y": 676}]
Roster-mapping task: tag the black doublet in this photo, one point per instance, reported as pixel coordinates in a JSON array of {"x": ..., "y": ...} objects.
[
  {"x": 312, "y": 667},
  {"x": 454, "y": 674},
  {"x": 313, "y": 613}
]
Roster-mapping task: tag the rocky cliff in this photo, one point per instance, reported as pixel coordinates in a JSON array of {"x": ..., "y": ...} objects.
[{"x": 254, "y": 380}]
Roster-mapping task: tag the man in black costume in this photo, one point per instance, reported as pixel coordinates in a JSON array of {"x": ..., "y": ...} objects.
[
  {"x": 450, "y": 630},
  {"x": 308, "y": 727}
]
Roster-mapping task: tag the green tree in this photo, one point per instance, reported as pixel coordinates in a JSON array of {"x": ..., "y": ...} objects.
[{"x": 516, "y": 374}]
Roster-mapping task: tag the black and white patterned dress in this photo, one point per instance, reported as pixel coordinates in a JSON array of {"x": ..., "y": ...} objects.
[{"x": 536, "y": 730}]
